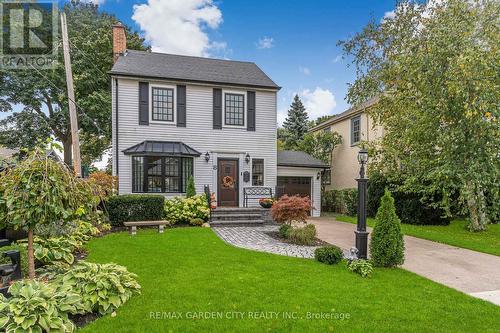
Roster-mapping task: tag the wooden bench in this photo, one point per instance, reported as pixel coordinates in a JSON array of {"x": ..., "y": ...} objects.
[{"x": 134, "y": 224}]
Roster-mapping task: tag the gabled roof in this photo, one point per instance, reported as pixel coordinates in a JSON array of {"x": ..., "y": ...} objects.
[
  {"x": 192, "y": 69},
  {"x": 161, "y": 148},
  {"x": 293, "y": 158},
  {"x": 346, "y": 114}
]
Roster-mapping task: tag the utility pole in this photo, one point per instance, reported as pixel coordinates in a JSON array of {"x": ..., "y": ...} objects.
[{"x": 71, "y": 98}]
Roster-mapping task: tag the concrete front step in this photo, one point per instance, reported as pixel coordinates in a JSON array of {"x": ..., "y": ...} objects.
[{"x": 225, "y": 217}]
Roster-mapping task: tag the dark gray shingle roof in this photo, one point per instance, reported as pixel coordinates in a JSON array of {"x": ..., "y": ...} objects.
[
  {"x": 299, "y": 159},
  {"x": 161, "y": 148},
  {"x": 193, "y": 69}
]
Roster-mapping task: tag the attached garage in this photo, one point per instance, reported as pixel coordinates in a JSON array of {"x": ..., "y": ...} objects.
[{"x": 299, "y": 173}]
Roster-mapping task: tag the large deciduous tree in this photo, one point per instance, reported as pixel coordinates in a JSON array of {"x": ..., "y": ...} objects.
[
  {"x": 435, "y": 67},
  {"x": 320, "y": 144},
  {"x": 296, "y": 123},
  {"x": 43, "y": 96}
]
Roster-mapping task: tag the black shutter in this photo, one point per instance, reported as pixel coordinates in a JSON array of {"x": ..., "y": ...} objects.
[
  {"x": 251, "y": 110},
  {"x": 181, "y": 106},
  {"x": 143, "y": 103},
  {"x": 217, "y": 122}
]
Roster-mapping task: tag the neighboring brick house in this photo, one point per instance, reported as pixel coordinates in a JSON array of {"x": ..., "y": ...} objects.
[{"x": 355, "y": 126}]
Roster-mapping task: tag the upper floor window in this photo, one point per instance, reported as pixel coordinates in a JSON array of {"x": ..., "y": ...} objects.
[
  {"x": 234, "y": 109},
  {"x": 355, "y": 130},
  {"x": 163, "y": 104},
  {"x": 257, "y": 172},
  {"x": 327, "y": 130}
]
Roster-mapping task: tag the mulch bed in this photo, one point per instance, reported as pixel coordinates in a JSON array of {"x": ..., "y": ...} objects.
[
  {"x": 276, "y": 235},
  {"x": 81, "y": 320}
]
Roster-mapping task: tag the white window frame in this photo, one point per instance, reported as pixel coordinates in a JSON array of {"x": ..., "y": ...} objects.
[
  {"x": 351, "y": 136},
  {"x": 159, "y": 85},
  {"x": 236, "y": 92},
  {"x": 263, "y": 172}
]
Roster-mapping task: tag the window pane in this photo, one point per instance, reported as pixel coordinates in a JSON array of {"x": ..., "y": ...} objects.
[
  {"x": 154, "y": 174},
  {"x": 163, "y": 104},
  {"x": 172, "y": 176},
  {"x": 355, "y": 130},
  {"x": 234, "y": 109},
  {"x": 137, "y": 174},
  {"x": 257, "y": 172},
  {"x": 187, "y": 170}
]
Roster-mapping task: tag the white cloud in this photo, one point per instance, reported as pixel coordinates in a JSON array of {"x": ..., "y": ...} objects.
[
  {"x": 337, "y": 59},
  {"x": 265, "y": 43},
  {"x": 178, "y": 26},
  {"x": 388, "y": 16},
  {"x": 305, "y": 70},
  {"x": 319, "y": 102}
]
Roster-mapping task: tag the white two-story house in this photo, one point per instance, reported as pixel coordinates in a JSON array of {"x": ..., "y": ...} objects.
[{"x": 179, "y": 116}]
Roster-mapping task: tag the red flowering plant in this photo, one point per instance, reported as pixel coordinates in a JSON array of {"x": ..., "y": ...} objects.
[{"x": 291, "y": 209}]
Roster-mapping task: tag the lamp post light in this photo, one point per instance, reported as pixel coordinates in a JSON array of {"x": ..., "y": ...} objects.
[{"x": 361, "y": 233}]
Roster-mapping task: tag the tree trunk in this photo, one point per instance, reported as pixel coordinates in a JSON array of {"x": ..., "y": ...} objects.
[
  {"x": 475, "y": 203},
  {"x": 67, "y": 144},
  {"x": 31, "y": 257}
]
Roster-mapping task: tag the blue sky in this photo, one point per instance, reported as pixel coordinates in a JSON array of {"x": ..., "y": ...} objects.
[{"x": 297, "y": 46}]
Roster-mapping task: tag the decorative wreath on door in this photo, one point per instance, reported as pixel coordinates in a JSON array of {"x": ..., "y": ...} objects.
[{"x": 228, "y": 181}]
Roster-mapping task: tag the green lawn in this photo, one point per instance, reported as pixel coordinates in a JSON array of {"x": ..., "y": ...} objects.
[
  {"x": 454, "y": 234},
  {"x": 190, "y": 270}
]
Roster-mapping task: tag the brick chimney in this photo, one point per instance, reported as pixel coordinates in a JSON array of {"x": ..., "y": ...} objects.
[{"x": 119, "y": 41}]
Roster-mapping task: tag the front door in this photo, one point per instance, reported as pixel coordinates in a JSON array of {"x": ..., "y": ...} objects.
[{"x": 228, "y": 182}]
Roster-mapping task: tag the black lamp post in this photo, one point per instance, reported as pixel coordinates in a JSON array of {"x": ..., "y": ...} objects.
[{"x": 361, "y": 233}]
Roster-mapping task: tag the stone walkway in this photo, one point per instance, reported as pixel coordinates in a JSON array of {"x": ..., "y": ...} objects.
[
  {"x": 471, "y": 272},
  {"x": 255, "y": 238}
]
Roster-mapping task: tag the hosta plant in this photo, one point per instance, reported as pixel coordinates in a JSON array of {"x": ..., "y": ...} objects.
[
  {"x": 36, "y": 306},
  {"x": 55, "y": 249},
  {"x": 103, "y": 287},
  {"x": 361, "y": 267}
]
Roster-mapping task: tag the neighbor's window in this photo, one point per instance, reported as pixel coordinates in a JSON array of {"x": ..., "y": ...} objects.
[
  {"x": 163, "y": 104},
  {"x": 152, "y": 174},
  {"x": 326, "y": 177},
  {"x": 355, "y": 130},
  {"x": 257, "y": 172},
  {"x": 234, "y": 109}
]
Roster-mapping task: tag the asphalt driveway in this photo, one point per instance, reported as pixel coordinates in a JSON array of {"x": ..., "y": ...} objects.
[{"x": 474, "y": 273}]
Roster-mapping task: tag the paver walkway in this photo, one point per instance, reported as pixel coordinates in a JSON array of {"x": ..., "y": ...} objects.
[
  {"x": 474, "y": 273},
  {"x": 256, "y": 238}
]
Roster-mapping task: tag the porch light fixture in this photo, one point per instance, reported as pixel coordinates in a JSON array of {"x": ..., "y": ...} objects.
[
  {"x": 361, "y": 233},
  {"x": 247, "y": 158},
  {"x": 207, "y": 156},
  {"x": 318, "y": 175}
]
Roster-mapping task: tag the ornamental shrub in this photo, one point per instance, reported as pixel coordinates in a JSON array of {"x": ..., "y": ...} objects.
[
  {"x": 36, "y": 306},
  {"x": 291, "y": 209},
  {"x": 284, "y": 231},
  {"x": 340, "y": 201},
  {"x": 197, "y": 222},
  {"x": 409, "y": 206},
  {"x": 329, "y": 254},
  {"x": 102, "y": 287},
  {"x": 303, "y": 236},
  {"x": 190, "y": 189},
  {"x": 135, "y": 207},
  {"x": 103, "y": 184},
  {"x": 183, "y": 210},
  {"x": 361, "y": 267},
  {"x": 387, "y": 244}
]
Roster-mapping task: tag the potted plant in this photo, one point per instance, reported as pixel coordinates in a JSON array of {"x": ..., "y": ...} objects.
[{"x": 266, "y": 202}]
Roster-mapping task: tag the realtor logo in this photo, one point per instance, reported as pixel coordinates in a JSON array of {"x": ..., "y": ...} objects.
[{"x": 28, "y": 34}]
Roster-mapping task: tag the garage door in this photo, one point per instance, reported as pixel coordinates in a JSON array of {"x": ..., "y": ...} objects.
[{"x": 293, "y": 186}]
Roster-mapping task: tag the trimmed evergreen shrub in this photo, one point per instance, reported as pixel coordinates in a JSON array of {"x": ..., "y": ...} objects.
[
  {"x": 284, "y": 230},
  {"x": 387, "y": 244},
  {"x": 135, "y": 207},
  {"x": 190, "y": 189},
  {"x": 303, "y": 236},
  {"x": 408, "y": 205},
  {"x": 329, "y": 254},
  {"x": 340, "y": 201}
]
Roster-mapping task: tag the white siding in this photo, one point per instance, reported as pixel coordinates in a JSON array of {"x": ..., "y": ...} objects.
[
  {"x": 199, "y": 134},
  {"x": 315, "y": 184}
]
